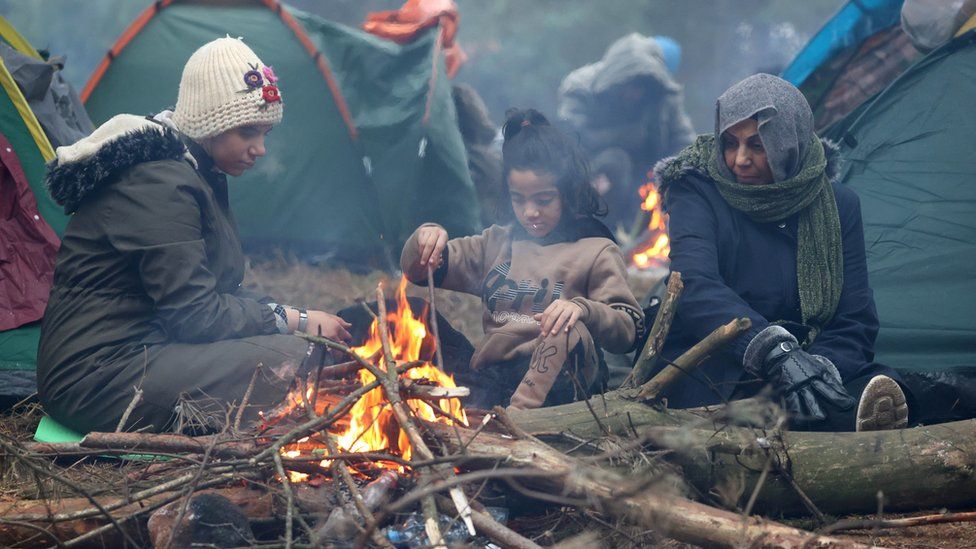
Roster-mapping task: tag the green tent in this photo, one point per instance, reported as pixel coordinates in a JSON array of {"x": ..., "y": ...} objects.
[
  {"x": 369, "y": 146},
  {"x": 30, "y": 223},
  {"x": 910, "y": 156}
]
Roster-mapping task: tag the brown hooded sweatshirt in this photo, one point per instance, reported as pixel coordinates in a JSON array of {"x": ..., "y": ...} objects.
[{"x": 517, "y": 277}]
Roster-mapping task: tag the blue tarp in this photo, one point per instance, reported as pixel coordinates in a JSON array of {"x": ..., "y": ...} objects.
[{"x": 853, "y": 23}]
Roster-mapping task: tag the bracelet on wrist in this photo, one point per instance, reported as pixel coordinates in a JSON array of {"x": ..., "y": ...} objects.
[
  {"x": 281, "y": 317},
  {"x": 302, "y": 320}
]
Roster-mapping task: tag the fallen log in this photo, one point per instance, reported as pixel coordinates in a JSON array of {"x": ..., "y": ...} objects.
[
  {"x": 674, "y": 516},
  {"x": 135, "y": 442},
  {"x": 840, "y": 472}
]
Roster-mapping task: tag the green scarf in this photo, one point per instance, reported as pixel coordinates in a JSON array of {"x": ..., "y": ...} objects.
[{"x": 819, "y": 254}]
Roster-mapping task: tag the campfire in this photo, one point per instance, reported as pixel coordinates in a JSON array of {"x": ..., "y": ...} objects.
[
  {"x": 372, "y": 425},
  {"x": 377, "y": 452},
  {"x": 653, "y": 248}
]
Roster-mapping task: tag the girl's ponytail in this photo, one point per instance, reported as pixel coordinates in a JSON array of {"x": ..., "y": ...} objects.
[
  {"x": 516, "y": 119},
  {"x": 532, "y": 143}
]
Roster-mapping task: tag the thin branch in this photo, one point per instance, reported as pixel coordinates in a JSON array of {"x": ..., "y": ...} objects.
[
  {"x": 246, "y": 398},
  {"x": 907, "y": 522},
  {"x": 191, "y": 488},
  {"x": 693, "y": 357},
  {"x": 649, "y": 355},
  {"x": 357, "y": 496},
  {"x": 31, "y": 526},
  {"x": 289, "y": 500},
  {"x": 97, "y": 532},
  {"x": 487, "y": 525},
  {"x": 136, "y": 399},
  {"x": 226, "y": 472},
  {"x": 391, "y": 386},
  {"x": 13, "y": 450},
  {"x": 433, "y": 317},
  {"x": 757, "y": 488},
  {"x": 418, "y": 493}
]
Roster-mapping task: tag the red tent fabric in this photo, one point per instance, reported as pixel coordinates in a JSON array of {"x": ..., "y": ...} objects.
[
  {"x": 416, "y": 16},
  {"x": 28, "y": 246}
]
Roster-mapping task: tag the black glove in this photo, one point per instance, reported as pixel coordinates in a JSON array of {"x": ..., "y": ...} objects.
[{"x": 806, "y": 383}]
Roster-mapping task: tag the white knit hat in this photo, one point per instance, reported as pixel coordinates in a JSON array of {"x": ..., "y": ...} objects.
[{"x": 224, "y": 86}]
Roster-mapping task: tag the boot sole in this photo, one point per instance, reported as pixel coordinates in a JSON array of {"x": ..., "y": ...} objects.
[{"x": 882, "y": 406}]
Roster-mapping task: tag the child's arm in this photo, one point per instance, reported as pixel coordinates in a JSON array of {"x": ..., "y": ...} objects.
[
  {"x": 610, "y": 311},
  {"x": 459, "y": 262}
]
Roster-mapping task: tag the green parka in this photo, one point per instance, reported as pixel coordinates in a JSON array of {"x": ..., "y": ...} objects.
[{"x": 147, "y": 289}]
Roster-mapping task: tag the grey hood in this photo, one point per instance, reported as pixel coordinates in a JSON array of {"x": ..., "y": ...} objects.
[
  {"x": 632, "y": 56},
  {"x": 931, "y": 23},
  {"x": 783, "y": 115}
]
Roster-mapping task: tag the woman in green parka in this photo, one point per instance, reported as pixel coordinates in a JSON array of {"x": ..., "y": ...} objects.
[{"x": 147, "y": 285}]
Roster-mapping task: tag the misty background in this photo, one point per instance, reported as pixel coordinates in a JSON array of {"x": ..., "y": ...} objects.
[{"x": 518, "y": 50}]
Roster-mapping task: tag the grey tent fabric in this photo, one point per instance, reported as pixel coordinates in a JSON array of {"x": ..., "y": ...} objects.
[{"x": 52, "y": 99}]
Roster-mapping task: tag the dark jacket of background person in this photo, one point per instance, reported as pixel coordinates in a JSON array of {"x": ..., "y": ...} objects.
[
  {"x": 147, "y": 289},
  {"x": 591, "y": 102},
  {"x": 484, "y": 160}
]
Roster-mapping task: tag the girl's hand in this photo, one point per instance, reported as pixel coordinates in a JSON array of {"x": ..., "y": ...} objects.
[
  {"x": 559, "y": 315},
  {"x": 431, "y": 239}
]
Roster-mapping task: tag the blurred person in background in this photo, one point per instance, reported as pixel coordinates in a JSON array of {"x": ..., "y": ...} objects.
[{"x": 629, "y": 113}]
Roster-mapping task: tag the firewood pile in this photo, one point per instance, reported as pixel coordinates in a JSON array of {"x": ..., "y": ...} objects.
[{"x": 378, "y": 450}]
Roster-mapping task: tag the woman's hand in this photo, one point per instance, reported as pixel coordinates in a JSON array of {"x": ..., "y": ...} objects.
[
  {"x": 431, "y": 241},
  {"x": 559, "y": 315},
  {"x": 322, "y": 324}
]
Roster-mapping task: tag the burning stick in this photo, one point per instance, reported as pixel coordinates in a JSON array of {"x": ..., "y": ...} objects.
[
  {"x": 357, "y": 498},
  {"x": 391, "y": 385},
  {"x": 411, "y": 389},
  {"x": 433, "y": 317}
]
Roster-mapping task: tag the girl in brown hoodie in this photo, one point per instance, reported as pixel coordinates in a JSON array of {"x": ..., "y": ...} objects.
[{"x": 552, "y": 281}]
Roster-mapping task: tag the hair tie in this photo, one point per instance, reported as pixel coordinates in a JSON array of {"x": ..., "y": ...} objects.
[{"x": 526, "y": 123}]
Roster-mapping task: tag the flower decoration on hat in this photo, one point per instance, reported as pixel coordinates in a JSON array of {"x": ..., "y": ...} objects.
[
  {"x": 264, "y": 79},
  {"x": 270, "y": 93},
  {"x": 253, "y": 78}
]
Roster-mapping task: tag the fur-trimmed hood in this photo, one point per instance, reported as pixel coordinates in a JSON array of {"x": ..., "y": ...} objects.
[
  {"x": 120, "y": 143},
  {"x": 665, "y": 172}
]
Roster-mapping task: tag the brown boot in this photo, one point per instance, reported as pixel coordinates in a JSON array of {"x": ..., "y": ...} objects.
[{"x": 547, "y": 361}]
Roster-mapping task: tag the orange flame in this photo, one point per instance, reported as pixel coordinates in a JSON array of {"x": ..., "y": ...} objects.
[
  {"x": 656, "y": 247},
  {"x": 372, "y": 425}
]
